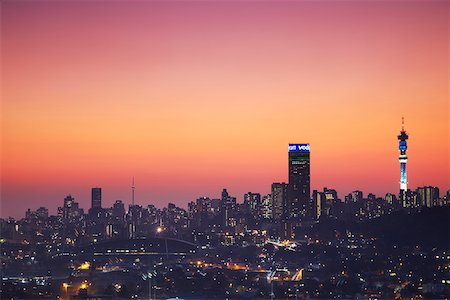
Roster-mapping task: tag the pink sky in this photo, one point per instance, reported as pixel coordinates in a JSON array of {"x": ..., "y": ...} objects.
[{"x": 191, "y": 97}]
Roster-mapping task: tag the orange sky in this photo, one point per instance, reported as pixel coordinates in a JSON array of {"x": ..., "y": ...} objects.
[{"x": 191, "y": 97}]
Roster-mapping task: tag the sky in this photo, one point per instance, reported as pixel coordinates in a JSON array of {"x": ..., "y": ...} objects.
[{"x": 190, "y": 97}]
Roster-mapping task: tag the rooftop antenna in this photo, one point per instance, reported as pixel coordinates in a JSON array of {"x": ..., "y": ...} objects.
[
  {"x": 403, "y": 123},
  {"x": 132, "y": 192}
]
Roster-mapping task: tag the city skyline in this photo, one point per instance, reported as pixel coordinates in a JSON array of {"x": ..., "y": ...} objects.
[
  {"x": 188, "y": 102},
  {"x": 292, "y": 149},
  {"x": 85, "y": 202},
  {"x": 296, "y": 204}
]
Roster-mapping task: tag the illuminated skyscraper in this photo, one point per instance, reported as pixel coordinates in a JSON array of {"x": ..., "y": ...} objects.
[
  {"x": 253, "y": 203},
  {"x": 227, "y": 208},
  {"x": 279, "y": 196},
  {"x": 402, "y": 146},
  {"x": 319, "y": 203},
  {"x": 299, "y": 204},
  {"x": 428, "y": 196},
  {"x": 267, "y": 207}
]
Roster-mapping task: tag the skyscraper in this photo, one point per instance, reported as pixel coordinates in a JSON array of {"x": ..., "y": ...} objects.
[
  {"x": 96, "y": 197},
  {"x": 428, "y": 196},
  {"x": 252, "y": 202},
  {"x": 267, "y": 207},
  {"x": 357, "y": 196},
  {"x": 319, "y": 203},
  {"x": 279, "y": 197},
  {"x": 299, "y": 204},
  {"x": 118, "y": 211},
  {"x": 70, "y": 210},
  {"x": 227, "y": 208},
  {"x": 402, "y": 146}
]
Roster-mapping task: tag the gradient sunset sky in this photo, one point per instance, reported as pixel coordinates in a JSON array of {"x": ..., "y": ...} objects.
[{"x": 191, "y": 97}]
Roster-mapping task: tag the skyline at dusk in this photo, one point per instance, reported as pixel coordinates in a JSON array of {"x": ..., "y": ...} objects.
[{"x": 193, "y": 97}]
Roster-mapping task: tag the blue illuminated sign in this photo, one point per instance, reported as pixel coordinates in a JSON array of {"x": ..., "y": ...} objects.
[
  {"x": 402, "y": 145},
  {"x": 298, "y": 148}
]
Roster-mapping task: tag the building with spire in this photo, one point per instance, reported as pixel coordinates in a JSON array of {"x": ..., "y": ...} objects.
[
  {"x": 132, "y": 191},
  {"x": 402, "y": 146}
]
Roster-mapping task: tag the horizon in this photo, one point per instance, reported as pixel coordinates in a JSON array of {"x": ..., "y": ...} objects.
[
  {"x": 192, "y": 97},
  {"x": 239, "y": 198}
]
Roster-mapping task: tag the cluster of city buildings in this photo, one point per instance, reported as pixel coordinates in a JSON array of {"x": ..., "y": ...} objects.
[
  {"x": 280, "y": 214},
  {"x": 267, "y": 245}
]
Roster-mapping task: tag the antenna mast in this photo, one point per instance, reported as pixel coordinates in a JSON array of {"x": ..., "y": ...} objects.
[{"x": 132, "y": 192}]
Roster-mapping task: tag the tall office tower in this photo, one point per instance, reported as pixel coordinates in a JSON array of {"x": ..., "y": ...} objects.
[
  {"x": 330, "y": 194},
  {"x": 224, "y": 196},
  {"x": 96, "y": 197},
  {"x": 70, "y": 209},
  {"x": 279, "y": 196},
  {"x": 68, "y": 201},
  {"x": 267, "y": 207},
  {"x": 428, "y": 196},
  {"x": 413, "y": 199},
  {"x": 203, "y": 205},
  {"x": 118, "y": 211},
  {"x": 227, "y": 208},
  {"x": 68, "y": 204},
  {"x": 402, "y": 146},
  {"x": 131, "y": 230},
  {"x": 390, "y": 198},
  {"x": 319, "y": 203},
  {"x": 299, "y": 203},
  {"x": 252, "y": 203},
  {"x": 357, "y": 196},
  {"x": 331, "y": 198},
  {"x": 201, "y": 212}
]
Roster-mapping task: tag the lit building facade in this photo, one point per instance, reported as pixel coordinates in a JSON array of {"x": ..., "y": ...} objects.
[
  {"x": 279, "y": 197},
  {"x": 402, "y": 146},
  {"x": 428, "y": 196},
  {"x": 299, "y": 204},
  {"x": 267, "y": 207}
]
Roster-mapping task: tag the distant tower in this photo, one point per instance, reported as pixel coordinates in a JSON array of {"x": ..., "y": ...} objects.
[
  {"x": 402, "y": 137},
  {"x": 132, "y": 192},
  {"x": 96, "y": 198}
]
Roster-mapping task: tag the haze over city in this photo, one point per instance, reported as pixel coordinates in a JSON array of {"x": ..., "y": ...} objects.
[{"x": 192, "y": 97}]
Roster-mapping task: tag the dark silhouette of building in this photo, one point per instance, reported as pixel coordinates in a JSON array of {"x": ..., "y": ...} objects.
[
  {"x": 318, "y": 199},
  {"x": 96, "y": 212},
  {"x": 279, "y": 197},
  {"x": 427, "y": 196},
  {"x": 96, "y": 197},
  {"x": 227, "y": 208},
  {"x": 356, "y": 196},
  {"x": 118, "y": 211},
  {"x": 70, "y": 210},
  {"x": 299, "y": 204},
  {"x": 252, "y": 202}
]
